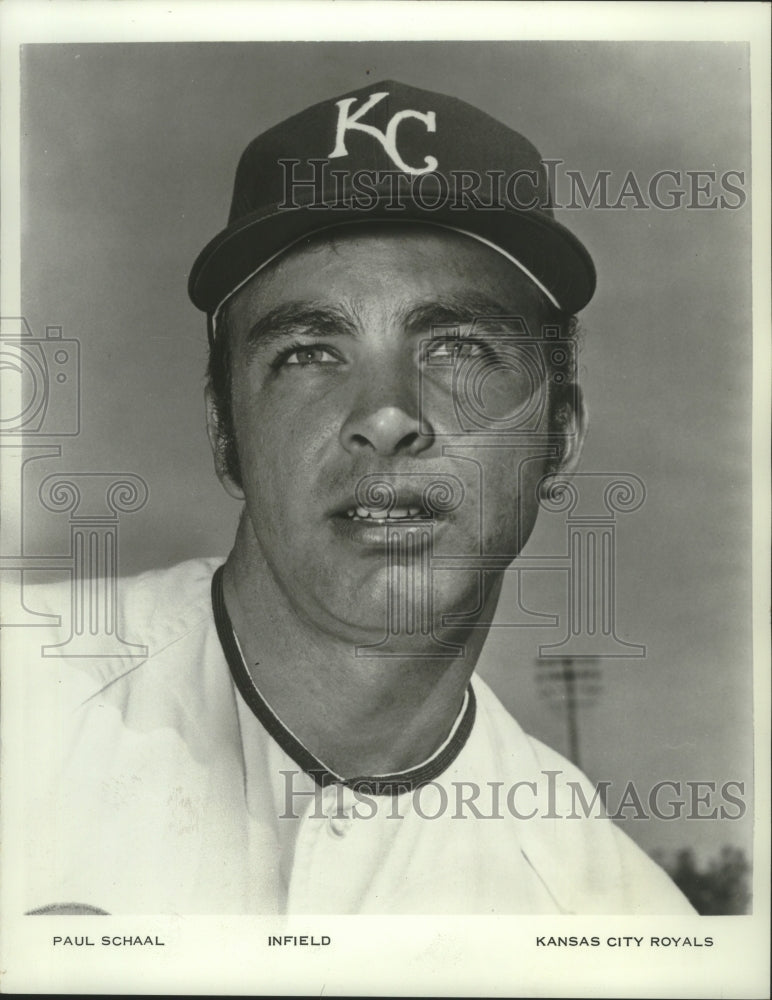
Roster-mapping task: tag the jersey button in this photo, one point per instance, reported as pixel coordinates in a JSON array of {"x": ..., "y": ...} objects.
[{"x": 339, "y": 824}]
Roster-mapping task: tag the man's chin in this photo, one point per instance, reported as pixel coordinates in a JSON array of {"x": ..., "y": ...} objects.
[{"x": 397, "y": 613}]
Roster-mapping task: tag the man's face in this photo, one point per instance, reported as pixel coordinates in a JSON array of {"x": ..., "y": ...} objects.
[{"x": 373, "y": 357}]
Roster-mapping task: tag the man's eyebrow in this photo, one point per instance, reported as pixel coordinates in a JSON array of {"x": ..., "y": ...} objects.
[
  {"x": 457, "y": 309},
  {"x": 297, "y": 318}
]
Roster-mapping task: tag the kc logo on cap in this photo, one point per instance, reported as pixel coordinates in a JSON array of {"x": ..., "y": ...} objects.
[
  {"x": 397, "y": 153},
  {"x": 388, "y": 139}
]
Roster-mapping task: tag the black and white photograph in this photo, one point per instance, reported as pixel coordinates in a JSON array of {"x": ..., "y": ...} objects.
[{"x": 385, "y": 510}]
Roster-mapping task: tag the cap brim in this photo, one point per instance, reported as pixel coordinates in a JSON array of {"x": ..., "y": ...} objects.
[{"x": 543, "y": 246}]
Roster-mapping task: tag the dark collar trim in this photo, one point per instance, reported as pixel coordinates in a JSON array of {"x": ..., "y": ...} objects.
[{"x": 388, "y": 784}]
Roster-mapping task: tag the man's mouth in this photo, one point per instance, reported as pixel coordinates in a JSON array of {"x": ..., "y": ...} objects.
[
  {"x": 389, "y": 515},
  {"x": 407, "y": 500}
]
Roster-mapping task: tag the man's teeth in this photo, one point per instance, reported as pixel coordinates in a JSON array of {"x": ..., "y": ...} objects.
[{"x": 381, "y": 515}]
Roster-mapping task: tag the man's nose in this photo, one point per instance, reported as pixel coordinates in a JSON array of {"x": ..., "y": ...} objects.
[{"x": 386, "y": 423}]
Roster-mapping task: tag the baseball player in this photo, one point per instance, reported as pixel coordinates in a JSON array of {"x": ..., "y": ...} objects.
[{"x": 306, "y": 734}]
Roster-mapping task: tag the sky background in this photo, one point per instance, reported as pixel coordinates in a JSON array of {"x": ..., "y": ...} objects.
[{"x": 128, "y": 155}]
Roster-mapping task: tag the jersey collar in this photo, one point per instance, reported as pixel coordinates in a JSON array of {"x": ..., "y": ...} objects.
[{"x": 381, "y": 784}]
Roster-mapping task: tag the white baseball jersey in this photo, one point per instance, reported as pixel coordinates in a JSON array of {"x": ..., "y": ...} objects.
[{"x": 167, "y": 785}]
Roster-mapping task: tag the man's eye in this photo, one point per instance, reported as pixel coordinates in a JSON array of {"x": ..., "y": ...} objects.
[
  {"x": 308, "y": 355},
  {"x": 456, "y": 349}
]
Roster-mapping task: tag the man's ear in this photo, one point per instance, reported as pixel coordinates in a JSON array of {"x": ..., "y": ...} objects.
[
  {"x": 570, "y": 421},
  {"x": 217, "y": 444}
]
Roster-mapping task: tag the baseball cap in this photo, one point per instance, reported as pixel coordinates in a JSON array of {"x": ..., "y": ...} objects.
[{"x": 393, "y": 152}]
